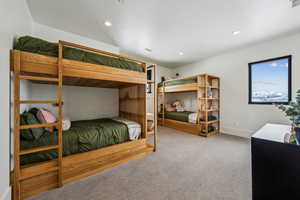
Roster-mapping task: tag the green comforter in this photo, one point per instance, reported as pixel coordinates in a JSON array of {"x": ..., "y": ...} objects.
[
  {"x": 178, "y": 82},
  {"x": 179, "y": 116},
  {"x": 81, "y": 137},
  {"x": 36, "y": 45}
]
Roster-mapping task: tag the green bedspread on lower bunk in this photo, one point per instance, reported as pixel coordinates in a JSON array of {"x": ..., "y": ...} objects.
[
  {"x": 178, "y": 82},
  {"x": 83, "y": 136},
  {"x": 179, "y": 116},
  {"x": 36, "y": 45}
]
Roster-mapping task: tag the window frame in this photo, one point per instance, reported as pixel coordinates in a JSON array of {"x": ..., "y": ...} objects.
[{"x": 289, "y": 57}]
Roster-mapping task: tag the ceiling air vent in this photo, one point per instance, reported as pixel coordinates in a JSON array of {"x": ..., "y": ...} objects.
[{"x": 295, "y": 3}]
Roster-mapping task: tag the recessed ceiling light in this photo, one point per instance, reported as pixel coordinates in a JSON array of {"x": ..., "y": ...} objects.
[
  {"x": 107, "y": 23},
  {"x": 148, "y": 49},
  {"x": 236, "y": 32},
  {"x": 181, "y": 53}
]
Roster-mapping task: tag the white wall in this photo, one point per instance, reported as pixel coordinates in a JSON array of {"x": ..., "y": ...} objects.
[
  {"x": 237, "y": 117},
  {"x": 80, "y": 102},
  {"x": 163, "y": 71},
  {"x": 188, "y": 99},
  {"x": 15, "y": 20}
]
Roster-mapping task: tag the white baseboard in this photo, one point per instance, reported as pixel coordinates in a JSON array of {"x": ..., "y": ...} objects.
[
  {"x": 6, "y": 195},
  {"x": 237, "y": 132}
]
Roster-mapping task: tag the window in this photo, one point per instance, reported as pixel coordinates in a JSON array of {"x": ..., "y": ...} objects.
[{"x": 270, "y": 81}]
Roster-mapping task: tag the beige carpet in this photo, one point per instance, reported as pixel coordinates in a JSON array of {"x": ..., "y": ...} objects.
[{"x": 186, "y": 167}]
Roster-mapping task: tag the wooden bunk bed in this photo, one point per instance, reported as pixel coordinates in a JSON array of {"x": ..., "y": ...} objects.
[
  {"x": 28, "y": 180},
  {"x": 207, "y": 88}
]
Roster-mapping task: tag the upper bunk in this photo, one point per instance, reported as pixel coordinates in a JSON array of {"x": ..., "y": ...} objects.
[
  {"x": 185, "y": 84},
  {"x": 82, "y": 66}
]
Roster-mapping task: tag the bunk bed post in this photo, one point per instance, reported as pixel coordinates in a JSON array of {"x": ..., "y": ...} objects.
[
  {"x": 16, "y": 182},
  {"x": 198, "y": 102},
  {"x": 163, "y": 103},
  {"x": 59, "y": 96},
  {"x": 145, "y": 103},
  {"x": 155, "y": 109},
  {"x": 206, "y": 103},
  {"x": 219, "y": 101}
]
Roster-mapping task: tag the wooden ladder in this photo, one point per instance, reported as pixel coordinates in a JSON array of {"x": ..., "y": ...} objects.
[{"x": 18, "y": 175}]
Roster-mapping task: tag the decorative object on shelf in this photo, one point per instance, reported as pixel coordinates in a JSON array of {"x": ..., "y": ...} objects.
[
  {"x": 161, "y": 107},
  {"x": 177, "y": 75},
  {"x": 149, "y": 78},
  {"x": 292, "y": 110},
  {"x": 214, "y": 83},
  {"x": 211, "y": 118},
  {"x": 179, "y": 106},
  {"x": 149, "y": 88},
  {"x": 209, "y": 92},
  {"x": 150, "y": 125},
  {"x": 210, "y": 129},
  {"x": 149, "y": 74}
]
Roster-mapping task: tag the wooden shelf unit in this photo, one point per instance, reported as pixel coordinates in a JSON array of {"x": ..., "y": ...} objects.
[{"x": 208, "y": 103}]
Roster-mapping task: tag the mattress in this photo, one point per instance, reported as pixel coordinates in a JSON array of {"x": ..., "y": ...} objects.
[
  {"x": 83, "y": 136},
  {"x": 178, "y": 82},
  {"x": 178, "y": 116},
  {"x": 39, "y": 46}
]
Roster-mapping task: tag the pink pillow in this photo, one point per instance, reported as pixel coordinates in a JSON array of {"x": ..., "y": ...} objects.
[
  {"x": 169, "y": 108},
  {"x": 45, "y": 117}
]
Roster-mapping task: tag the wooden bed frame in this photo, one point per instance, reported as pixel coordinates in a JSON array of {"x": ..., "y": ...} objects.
[
  {"x": 33, "y": 179},
  {"x": 200, "y": 87}
]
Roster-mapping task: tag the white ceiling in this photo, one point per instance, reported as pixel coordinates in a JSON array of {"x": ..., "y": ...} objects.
[{"x": 198, "y": 28}]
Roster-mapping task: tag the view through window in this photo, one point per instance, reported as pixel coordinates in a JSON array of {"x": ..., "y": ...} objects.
[{"x": 270, "y": 81}]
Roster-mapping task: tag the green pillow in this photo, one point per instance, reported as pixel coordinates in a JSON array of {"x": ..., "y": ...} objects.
[
  {"x": 34, "y": 111},
  {"x": 25, "y": 133},
  {"x": 30, "y": 119}
]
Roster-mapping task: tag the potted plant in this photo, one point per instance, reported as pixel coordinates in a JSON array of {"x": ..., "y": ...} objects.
[{"x": 293, "y": 112}]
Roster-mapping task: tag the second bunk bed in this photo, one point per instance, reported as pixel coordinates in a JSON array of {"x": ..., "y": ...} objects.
[
  {"x": 45, "y": 159},
  {"x": 204, "y": 119}
]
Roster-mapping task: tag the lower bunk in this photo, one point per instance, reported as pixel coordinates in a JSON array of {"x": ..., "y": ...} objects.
[
  {"x": 89, "y": 146},
  {"x": 187, "y": 122}
]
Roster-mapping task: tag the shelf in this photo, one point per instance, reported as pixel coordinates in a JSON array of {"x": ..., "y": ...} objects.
[
  {"x": 209, "y": 122},
  {"x": 212, "y": 110},
  {"x": 208, "y": 98},
  {"x": 208, "y": 87},
  {"x": 150, "y": 81},
  {"x": 210, "y": 133},
  {"x": 150, "y": 132}
]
